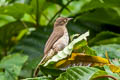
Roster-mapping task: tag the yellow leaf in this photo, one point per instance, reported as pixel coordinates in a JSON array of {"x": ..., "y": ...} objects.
[
  {"x": 114, "y": 68},
  {"x": 80, "y": 59}
]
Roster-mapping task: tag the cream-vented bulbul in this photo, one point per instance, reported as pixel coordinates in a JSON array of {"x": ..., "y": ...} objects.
[{"x": 57, "y": 41}]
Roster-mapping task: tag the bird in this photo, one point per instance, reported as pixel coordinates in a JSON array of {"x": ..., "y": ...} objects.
[{"x": 57, "y": 41}]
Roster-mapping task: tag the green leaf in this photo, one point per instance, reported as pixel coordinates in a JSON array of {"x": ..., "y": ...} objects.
[
  {"x": 9, "y": 33},
  {"x": 82, "y": 47},
  {"x": 47, "y": 71},
  {"x": 12, "y": 65},
  {"x": 38, "y": 78},
  {"x": 38, "y": 5},
  {"x": 115, "y": 40},
  {"x": 28, "y": 18},
  {"x": 103, "y": 11},
  {"x": 74, "y": 7},
  {"x": 113, "y": 50},
  {"x": 105, "y": 37},
  {"x": 108, "y": 16},
  {"x": 92, "y": 4},
  {"x": 3, "y": 3},
  {"x": 15, "y": 10},
  {"x": 2, "y": 76},
  {"x": 60, "y": 2},
  {"x": 5, "y": 19},
  {"x": 99, "y": 73},
  {"x": 78, "y": 73},
  {"x": 46, "y": 16},
  {"x": 32, "y": 45}
]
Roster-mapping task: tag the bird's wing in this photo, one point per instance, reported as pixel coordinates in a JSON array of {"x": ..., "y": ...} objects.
[{"x": 56, "y": 34}]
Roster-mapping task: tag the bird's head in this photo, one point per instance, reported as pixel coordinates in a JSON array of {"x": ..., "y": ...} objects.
[{"x": 61, "y": 21}]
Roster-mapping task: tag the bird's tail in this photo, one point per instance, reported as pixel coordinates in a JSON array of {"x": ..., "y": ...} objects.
[
  {"x": 38, "y": 66},
  {"x": 44, "y": 59}
]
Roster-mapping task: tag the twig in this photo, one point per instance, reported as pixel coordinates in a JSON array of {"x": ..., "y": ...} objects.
[
  {"x": 37, "y": 13},
  {"x": 58, "y": 13},
  {"x": 68, "y": 9},
  {"x": 45, "y": 16},
  {"x": 105, "y": 76},
  {"x": 25, "y": 25}
]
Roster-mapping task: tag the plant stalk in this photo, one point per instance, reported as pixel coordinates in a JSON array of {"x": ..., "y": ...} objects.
[{"x": 37, "y": 13}]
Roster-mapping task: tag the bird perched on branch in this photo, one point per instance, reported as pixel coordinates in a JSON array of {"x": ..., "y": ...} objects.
[{"x": 57, "y": 41}]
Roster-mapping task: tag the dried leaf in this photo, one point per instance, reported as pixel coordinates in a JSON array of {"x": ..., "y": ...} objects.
[{"x": 80, "y": 59}]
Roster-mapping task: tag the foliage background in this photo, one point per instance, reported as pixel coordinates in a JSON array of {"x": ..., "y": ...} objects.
[{"x": 25, "y": 26}]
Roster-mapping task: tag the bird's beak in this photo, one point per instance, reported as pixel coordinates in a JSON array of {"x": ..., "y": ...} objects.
[{"x": 69, "y": 19}]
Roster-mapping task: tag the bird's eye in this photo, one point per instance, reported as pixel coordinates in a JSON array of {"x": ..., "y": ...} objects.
[
  {"x": 62, "y": 22},
  {"x": 65, "y": 20}
]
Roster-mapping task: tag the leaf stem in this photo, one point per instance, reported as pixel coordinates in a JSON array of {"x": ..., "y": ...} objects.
[{"x": 105, "y": 76}]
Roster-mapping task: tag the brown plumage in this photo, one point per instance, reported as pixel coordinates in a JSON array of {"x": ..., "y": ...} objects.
[
  {"x": 56, "y": 42},
  {"x": 56, "y": 34}
]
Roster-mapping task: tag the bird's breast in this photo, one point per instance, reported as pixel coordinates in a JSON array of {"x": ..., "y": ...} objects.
[
  {"x": 65, "y": 38},
  {"x": 62, "y": 42}
]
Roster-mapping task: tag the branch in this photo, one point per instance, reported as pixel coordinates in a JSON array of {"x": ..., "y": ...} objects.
[
  {"x": 37, "y": 13},
  {"x": 59, "y": 12}
]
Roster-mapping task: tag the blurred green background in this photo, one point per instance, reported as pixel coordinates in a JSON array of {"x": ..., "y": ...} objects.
[{"x": 25, "y": 26}]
